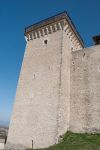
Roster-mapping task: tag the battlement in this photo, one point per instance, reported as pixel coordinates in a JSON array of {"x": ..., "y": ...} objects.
[{"x": 53, "y": 24}]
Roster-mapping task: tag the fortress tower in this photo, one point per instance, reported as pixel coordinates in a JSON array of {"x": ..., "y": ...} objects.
[{"x": 41, "y": 110}]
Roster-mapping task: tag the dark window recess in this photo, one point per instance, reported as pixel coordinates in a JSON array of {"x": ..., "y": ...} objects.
[
  {"x": 84, "y": 55},
  {"x": 96, "y": 39},
  {"x": 45, "y": 41}
]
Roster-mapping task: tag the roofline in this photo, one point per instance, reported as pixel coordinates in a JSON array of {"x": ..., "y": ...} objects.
[
  {"x": 63, "y": 15},
  {"x": 47, "y": 19}
]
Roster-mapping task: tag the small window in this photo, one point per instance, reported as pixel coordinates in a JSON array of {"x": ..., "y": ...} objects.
[{"x": 45, "y": 41}]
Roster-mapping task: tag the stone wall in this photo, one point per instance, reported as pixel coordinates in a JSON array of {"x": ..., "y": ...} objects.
[
  {"x": 41, "y": 110},
  {"x": 38, "y": 113},
  {"x": 85, "y": 90}
]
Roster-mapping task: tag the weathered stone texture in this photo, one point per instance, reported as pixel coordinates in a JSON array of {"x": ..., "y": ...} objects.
[
  {"x": 85, "y": 90},
  {"x": 41, "y": 105},
  {"x": 58, "y": 88}
]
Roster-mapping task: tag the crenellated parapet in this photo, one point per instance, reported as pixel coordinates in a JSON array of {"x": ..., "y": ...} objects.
[
  {"x": 54, "y": 24},
  {"x": 45, "y": 30},
  {"x": 75, "y": 42}
]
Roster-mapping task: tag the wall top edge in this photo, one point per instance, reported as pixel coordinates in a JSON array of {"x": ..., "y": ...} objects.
[{"x": 54, "y": 19}]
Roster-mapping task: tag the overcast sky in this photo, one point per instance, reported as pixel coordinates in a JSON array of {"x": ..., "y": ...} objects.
[{"x": 15, "y": 15}]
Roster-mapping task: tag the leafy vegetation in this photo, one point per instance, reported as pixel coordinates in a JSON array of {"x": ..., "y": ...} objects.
[{"x": 73, "y": 141}]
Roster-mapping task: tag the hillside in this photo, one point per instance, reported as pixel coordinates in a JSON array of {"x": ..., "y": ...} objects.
[
  {"x": 72, "y": 141},
  {"x": 3, "y": 132}
]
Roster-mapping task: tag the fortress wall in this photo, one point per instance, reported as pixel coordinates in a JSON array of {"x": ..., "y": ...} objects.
[
  {"x": 64, "y": 95},
  {"x": 85, "y": 90},
  {"x": 36, "y": 113},
  {"x": 41, "y": 110}
]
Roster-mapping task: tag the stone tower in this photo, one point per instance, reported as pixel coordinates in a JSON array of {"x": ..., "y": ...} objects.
[{"x": 42, "y": 104}]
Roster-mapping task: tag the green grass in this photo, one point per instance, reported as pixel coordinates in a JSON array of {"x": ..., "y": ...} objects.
[{"x": 73, "y": 141}]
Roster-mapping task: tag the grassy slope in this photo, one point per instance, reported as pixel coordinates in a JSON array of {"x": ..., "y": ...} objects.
[{"x": 73, "y": 141}]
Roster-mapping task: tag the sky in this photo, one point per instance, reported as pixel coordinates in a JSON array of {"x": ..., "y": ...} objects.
[{"x": 15, "y": 15}]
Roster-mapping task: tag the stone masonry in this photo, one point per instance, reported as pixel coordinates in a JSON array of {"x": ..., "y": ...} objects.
[
  {"x": 85, "y": 90},
  {"x": 58, "y": 88}
]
